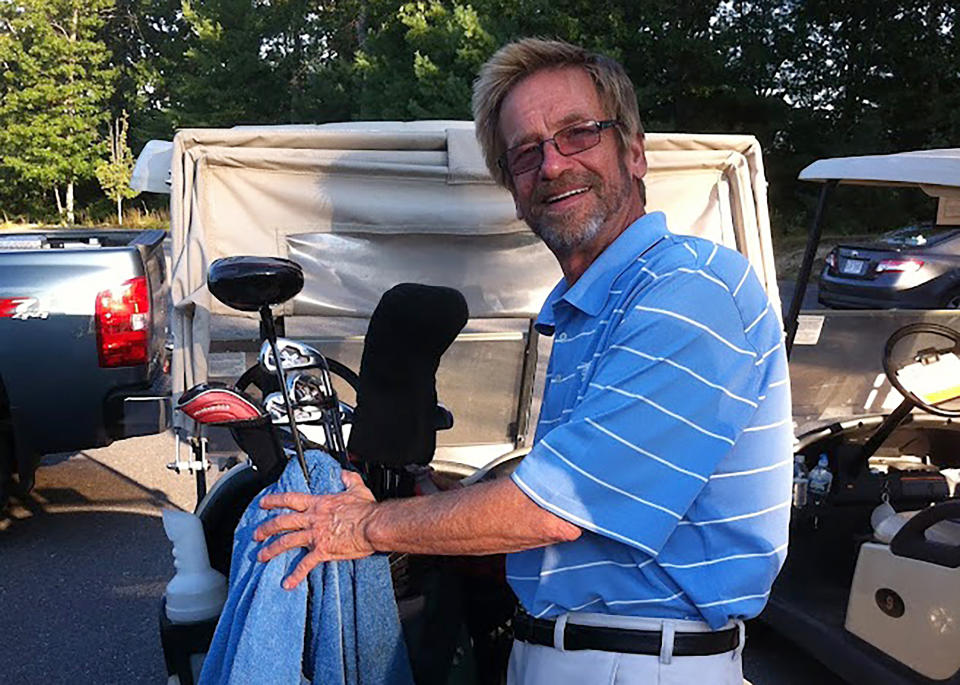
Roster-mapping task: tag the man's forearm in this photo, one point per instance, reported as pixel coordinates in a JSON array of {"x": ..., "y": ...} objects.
[{"x": 482, "y": 519}]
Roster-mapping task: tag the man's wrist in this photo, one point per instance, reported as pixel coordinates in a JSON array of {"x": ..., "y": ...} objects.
[{"x": 373, "y": 530}]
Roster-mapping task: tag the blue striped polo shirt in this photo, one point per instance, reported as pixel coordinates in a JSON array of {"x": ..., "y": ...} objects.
[{"x": 665, "y": 434}]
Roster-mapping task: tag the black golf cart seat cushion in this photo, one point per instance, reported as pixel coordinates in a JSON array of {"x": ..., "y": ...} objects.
[
  {"x": 396, "y": 414},
  {"x": 250, "y": 283}
]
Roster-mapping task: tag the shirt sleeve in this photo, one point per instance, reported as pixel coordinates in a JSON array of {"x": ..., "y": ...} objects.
[{"x": 669, "y": 395}]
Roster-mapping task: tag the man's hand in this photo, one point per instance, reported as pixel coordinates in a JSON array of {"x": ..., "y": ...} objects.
[{"x": 331, "y": 527}]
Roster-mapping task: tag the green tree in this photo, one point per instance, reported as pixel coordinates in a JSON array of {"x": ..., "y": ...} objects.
[
  {"x": 55, "y": 80},
  {"x": 885, "y": 79},
  {"x": 419, "y": 60},
  {"x": 867, "y": 79},
  {"x": 114, "y": 173},
  {"x": 285, "y": 61},
  {"x": 146, "y": 40}
]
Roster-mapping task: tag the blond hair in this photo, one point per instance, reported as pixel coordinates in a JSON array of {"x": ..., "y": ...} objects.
[{"x": 515, "y": 61}]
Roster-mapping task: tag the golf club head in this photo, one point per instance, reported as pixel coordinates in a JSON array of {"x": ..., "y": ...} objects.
[
  {"x": 275, "y": 407},
  {"x": 346, "y": 413},
  {"x": 214, "y": 404},
  {"x": 293, "y": 355},
  {"x": 304, "y": 388}
]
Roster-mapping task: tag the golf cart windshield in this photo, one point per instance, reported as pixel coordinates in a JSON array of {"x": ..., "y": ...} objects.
[
  {"x": 919, "y": 235},
  {"x": 835, "y": 354}
]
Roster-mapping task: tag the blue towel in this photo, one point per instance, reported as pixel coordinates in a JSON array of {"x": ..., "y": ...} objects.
[{"x": 340, "y": 626}]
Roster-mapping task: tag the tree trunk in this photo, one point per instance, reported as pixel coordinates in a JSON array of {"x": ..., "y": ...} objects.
[
  {"x": 119, "y": 211},
  {"x": 71, "y": 219},
  {"x": 362, "y": 25},
  {"x": 56, "y": 194},
  {"x": 73, "y": 39}
]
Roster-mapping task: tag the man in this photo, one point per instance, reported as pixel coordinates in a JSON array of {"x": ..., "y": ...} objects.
[{"x": 650, "y": 517}]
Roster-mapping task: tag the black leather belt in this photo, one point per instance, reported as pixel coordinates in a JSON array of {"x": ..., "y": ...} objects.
[{"x": 539, "y": 631}]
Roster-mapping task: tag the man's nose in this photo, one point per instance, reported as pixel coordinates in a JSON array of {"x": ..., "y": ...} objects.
[{"x": 553, "y": 163}]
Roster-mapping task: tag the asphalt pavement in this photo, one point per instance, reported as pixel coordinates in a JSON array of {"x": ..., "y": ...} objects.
[
  {"x": 786, "y": 289},
  {"x": 85, "y": 562}
]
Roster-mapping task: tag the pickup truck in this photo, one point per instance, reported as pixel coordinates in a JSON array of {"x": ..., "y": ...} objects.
[{"x": 83, "y": 358}]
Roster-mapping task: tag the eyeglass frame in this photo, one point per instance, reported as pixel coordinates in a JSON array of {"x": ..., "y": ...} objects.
[{"x": 600, "y": 125}]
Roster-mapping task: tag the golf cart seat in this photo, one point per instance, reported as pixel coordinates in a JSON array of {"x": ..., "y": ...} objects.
[{"x": 904, "y": 598}]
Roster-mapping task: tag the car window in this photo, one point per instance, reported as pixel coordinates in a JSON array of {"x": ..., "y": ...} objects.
[{"x": 918, "y": 236}]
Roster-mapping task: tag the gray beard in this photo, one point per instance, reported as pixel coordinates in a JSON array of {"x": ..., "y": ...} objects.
[{"x": 563, "y": 243}]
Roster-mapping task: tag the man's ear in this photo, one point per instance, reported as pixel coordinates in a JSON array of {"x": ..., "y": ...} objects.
[{"x": 636, "y": 157}]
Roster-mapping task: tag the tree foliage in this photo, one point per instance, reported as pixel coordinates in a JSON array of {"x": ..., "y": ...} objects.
[
  {"x": 247, "y": 62},
  {"x": 114, "y": 172},
  {"x": 55, "y": 79},
  {"x": 809, "y": 78},
  {"x": 145, "y": 39},
  {"x": 419, "y": 61}
]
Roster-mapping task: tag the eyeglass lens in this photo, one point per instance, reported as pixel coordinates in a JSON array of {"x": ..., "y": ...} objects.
[{"x": 569, "y": 141}]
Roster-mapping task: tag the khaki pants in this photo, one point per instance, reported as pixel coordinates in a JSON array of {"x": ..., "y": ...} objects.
[{"x": 541, "y": 665}]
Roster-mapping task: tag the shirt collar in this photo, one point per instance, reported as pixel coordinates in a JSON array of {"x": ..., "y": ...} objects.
[{"x": 589, "y": 294}]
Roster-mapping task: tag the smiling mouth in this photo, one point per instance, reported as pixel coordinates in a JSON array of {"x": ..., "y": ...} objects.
[{"x": 563, "y": 196}]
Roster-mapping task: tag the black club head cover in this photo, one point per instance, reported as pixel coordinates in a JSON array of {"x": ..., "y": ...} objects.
[{"x": 396, "y": 414}]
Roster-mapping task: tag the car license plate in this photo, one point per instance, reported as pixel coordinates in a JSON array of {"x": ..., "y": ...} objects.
[{"x": 854, "y": 267}]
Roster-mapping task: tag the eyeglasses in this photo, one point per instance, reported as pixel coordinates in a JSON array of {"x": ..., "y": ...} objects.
[{"x": 568, "y": 141}]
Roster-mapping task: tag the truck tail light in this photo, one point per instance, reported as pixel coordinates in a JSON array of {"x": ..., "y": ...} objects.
[
  {"x": 123, "y": 323},
  {"x": 901, "y": 265}
]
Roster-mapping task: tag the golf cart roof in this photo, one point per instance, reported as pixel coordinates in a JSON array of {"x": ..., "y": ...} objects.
[
  {"x": 314, "y": 193},
  {"x": 916, "y": 168}
]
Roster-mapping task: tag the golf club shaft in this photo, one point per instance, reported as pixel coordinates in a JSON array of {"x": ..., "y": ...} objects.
[
  {"x": 332, "y": 424},
  {"x": 267, "y": 317}
]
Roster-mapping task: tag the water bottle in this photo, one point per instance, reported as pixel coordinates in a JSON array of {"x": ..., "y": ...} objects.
[
  {"x": 820, "y": 479},
  {"x": 197, "y": 592},
  {"x": 800, "y": 482},
  {"x": 195, "y": 595}
]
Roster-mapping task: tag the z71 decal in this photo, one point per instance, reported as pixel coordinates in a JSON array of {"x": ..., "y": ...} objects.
[{"x": 21, "y": 308}]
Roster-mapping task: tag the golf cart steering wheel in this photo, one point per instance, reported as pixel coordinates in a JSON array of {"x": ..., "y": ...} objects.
[{"x": 891, "y": 372}]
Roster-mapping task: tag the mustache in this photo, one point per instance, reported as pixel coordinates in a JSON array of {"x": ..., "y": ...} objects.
[{"x": 566, "y": 182}]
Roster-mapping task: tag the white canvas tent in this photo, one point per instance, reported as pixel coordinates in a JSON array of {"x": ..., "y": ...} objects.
[{"x": 363, "y": 206}]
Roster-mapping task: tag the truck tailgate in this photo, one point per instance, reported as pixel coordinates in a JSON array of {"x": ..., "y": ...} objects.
[{"x": 48, "y": 337}]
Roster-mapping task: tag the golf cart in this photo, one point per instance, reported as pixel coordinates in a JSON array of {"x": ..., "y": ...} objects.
[
  {"x": 364, "y": 206},
  {"x": 870, "y": 586}
]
